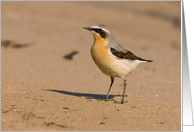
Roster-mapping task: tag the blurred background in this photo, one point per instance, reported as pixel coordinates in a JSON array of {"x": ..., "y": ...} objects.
[{"x": 50, "y": 82}]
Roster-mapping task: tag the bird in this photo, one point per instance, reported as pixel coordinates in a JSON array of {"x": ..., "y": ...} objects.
[{"x": 110, "y": 57}]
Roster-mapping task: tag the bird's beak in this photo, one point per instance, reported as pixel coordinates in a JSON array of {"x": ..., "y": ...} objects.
[{"x": 87, "y": 28}]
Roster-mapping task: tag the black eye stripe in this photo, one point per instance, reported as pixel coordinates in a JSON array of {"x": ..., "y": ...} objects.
[
  {"x": 97, "y": 30},
  {"x": 102, "y": 33}
]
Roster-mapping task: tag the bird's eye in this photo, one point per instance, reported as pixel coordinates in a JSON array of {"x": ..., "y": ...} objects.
[
  {"x": 97, "y": 30},
  {"x": 102, "y": 33}
]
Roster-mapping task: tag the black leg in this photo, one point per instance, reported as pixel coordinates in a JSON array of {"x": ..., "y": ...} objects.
[
  {"x": 125, "y": 84},
  {"x": 112, "y": 80}
]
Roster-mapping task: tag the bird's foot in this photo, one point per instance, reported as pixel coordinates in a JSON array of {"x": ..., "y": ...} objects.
[{"x": 122, "y": 101}]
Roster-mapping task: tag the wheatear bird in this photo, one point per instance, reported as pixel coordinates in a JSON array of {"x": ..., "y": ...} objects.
[{"x": 112, "y": 59}]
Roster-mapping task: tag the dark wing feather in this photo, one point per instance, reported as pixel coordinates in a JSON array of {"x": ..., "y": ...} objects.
[{"x": 126, "y": 55}]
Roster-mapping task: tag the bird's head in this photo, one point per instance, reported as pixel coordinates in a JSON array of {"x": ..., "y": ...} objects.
[{"x": 100, "y": 31}]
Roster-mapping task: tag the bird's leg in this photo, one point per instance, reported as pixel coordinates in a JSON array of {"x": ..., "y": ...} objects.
[
  {"x": 112, "y": 80},
  {"x": 125, "y": 84}
]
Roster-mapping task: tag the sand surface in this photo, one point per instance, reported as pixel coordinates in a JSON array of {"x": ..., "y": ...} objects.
[{"x": 42, "y": 90}]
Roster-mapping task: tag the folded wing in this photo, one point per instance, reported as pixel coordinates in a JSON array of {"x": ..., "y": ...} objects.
[{"x": 126, "y": 55}]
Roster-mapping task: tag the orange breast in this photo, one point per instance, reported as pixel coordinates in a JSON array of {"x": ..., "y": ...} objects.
[
  {"x": 99, "y": 52},
  {"x": 101, "y": 56}
]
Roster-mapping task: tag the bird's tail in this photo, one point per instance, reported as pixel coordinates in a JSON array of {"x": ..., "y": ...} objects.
[{"x": 145, "y": 60}]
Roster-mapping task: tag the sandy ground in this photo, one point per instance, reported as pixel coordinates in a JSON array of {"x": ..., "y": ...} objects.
[{"x": 42, "y": 90}]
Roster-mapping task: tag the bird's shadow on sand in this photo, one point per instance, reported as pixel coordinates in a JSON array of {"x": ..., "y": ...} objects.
[{"x": 86, "y": 95}]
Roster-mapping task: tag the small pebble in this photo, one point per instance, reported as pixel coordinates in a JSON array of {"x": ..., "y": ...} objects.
[
  {"x": 5, "y": 111},
  {"x": 161, "y": 122},
  {"x": 65, "y": 108},
  {"x": 102, "y": 122}
]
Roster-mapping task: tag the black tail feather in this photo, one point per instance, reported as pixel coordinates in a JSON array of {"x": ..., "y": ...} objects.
[{"x": 145, "y": 60}]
